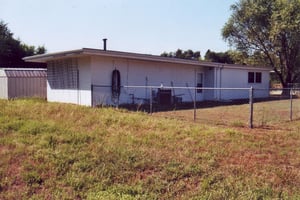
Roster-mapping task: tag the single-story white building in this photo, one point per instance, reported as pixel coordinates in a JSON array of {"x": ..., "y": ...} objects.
[
  {"x": 22, "y": 82},
  {"x": 92, "y": 76}
]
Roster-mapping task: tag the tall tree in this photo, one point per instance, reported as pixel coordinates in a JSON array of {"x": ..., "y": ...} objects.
[
  {"x": 221, "y": 57},
  {"x": 269, "y": 30},
  {"x": 13, "y": 50},
  {"x": 189, "y": 54}
]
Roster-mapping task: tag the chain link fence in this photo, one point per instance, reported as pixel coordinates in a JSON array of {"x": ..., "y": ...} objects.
[{"x": 222, "y": 106}]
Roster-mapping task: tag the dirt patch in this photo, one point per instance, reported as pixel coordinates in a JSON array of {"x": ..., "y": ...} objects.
[
  {"x": 12, "y": 179},
  {"x": 268, "y": 154}
]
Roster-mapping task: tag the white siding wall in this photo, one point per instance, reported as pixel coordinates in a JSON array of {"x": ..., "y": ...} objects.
[
  {"x": 3, "y": 85},
  {"x": 97, "y": 71},
  {"x": 238, "y": 78},
  {"x": 62, "y": 95},
  {"x": 79, "y": 95},
  {"x": 58, "y": 94},
  {"x": 141, "y": 73},
  {"x": 209, "y": 81},
  {"x": 84, "y": 81}
]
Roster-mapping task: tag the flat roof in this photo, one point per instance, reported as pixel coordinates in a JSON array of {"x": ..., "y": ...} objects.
[{"x": 43, "y": 58}]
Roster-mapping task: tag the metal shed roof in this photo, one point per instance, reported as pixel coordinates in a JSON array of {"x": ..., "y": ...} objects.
[{"x": 25, "y": 73}]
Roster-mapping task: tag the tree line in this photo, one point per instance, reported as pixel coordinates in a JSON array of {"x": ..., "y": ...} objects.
[
  {"x": 12, "y": 50},
  {"x": 229, "y": 57}
]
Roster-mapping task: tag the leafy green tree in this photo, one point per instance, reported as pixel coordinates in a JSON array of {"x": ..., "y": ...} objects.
[
  {"x": 269, "y": 32},
  {"x": 242, "y": 58},
  {"x": 13, "y": 50},
  {"x": 221, "y": 57},
  {"x": 40, "y": 50},
  {"x": 189, "y": 54},
  {"x": 179, "y": 54}
]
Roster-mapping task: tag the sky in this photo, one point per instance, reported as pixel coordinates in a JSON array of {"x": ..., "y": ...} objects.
[{"x": 140, "y": 26}]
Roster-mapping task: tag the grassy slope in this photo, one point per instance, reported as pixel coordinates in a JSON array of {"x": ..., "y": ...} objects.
[{"x": 59, "y": 151}]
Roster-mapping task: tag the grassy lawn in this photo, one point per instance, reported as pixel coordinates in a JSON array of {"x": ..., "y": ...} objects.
[
  {"x": 62, "y": 151},
  {"x": 269, "y": 113}
]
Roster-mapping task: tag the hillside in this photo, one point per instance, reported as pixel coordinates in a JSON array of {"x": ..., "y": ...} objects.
[{"x": 62, "y": 151}]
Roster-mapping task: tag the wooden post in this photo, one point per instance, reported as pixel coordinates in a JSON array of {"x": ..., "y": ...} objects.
[{"x": 251, "y": 107}]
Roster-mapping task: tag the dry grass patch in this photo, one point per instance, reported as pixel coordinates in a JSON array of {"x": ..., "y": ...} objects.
[
  {"x": 61, "y": 151},
  {"x": 268, "y": 113}
]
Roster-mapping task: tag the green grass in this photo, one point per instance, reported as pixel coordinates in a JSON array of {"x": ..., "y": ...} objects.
[
  {"x": 265, "y": 114},
  {"x": 62, "y": 151}
]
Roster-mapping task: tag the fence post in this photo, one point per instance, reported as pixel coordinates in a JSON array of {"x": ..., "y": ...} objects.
[
  {"x": 195, "y": 106},
  {"x": 150, "y": 109},
  {"x": 251, "y": 107},
  {"x": 291, "y": 104},
  {"x": 92, "y": 95}
]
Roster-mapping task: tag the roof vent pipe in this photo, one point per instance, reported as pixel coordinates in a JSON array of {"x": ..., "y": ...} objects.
[{"x": 104, "y": 44}]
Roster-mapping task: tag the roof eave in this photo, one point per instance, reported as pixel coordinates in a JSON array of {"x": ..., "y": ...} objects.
[
  {"x": 117, "y": 54},
  {"x": 43, "y": 58},
  {"x": 126, "y": 55},
  {"x": 246, "y": 67},
  {"x": 148, "y": 57}
]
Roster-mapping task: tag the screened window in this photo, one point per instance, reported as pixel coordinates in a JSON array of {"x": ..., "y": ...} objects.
[{"x": 62, "y": 74}]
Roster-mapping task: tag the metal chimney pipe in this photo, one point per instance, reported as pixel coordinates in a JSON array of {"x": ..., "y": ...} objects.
[{"x": 104, "y": 44}]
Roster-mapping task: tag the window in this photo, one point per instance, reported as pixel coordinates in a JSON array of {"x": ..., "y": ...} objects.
[
  {"x": 254, "y": 77},
  {"x": 250, "y": 77},
  {"x": 62, "y": 74},
  {"x": 199, "y": 82},
  {"x": 258, "y": 77}
]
